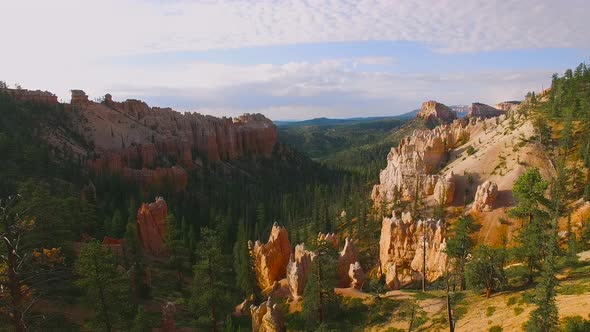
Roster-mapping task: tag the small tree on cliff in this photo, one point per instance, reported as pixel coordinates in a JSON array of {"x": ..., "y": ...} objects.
[
  {"x": 210, "y": 296},
  {"x": 460, "y": 245},
  {"x": 485, "y": 270},
  {"x": 320, "y": 303},
  {"x": 105, "y": 287}
]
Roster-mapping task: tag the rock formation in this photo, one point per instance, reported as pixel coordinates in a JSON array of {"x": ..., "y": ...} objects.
[
  {"x": 271, "y": 259},
  {"x": 267, "y": 317},
  {"x": 357, "y": 275},
  {"x": 431, "y": 110},
  {"x": 479, "y": 110},
  {"x": 37, "y": 96},
  {"x": 329, "y": 238},
  {"x": 401, "y": 250},
  {"x": 151, "y": 226},
  {"x": 508, "y": 105},
  {"x": 348, "y": 256},
  {"x": 485, "y": 196},
  {"x": 151, "y": 146},
  {"x": 444, "y": 190},
  {"x": 412, "y": 165},
  {"x": 298, "y": 270}
]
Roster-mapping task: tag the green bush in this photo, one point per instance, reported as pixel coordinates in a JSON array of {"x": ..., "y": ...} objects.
[
  {"x": 576, "y": 324},
  {"x": 471, "y": 150},
  {"x": 518, "y": 311},
  {"x": 495, "y": 328},
  {"x": 490, "y": 311}
]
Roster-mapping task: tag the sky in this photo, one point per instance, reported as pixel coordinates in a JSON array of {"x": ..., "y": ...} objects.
[{"x": 293, "y": 59}]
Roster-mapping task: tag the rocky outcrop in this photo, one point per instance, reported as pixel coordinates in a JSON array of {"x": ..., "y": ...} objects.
[
  {"x": 329, "y": 238},
  {"x": 271, "y": 259},
  {"x": 357, "y": 275},
  {"x": 444, "y": 191},
  {"x": 267, "y": 317},
  {"x": 413, "y": 164},
  {"x": 401, "y": 250},
  {"x": 348, "y": 256},
  {"x": 508, "y": 105},
  {"x": 298, "y": 270},
  {"x": 485, "y": 196},
  {"x": 142, "y": 143},
  {"x": 479, "y": 110},
  {"x": 431, "y": 110},
  {"x": 79, "y": 98},
  {"x": 35, "y": 96},
  {"x": 151, "y": 227}
]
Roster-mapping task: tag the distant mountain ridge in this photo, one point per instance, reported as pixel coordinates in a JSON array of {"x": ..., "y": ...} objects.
[{"x": 461, "y": 110}]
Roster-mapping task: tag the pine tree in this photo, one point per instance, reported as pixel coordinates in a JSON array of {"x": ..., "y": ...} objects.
[
  {"x": 178, "y": 259},
  {"x": 460, "y": 245},
  {"x": 545, "y": 316},
  {"x": 319, "y": 300},
  {"x": 485, "y": 270},
  {"x": 529, "y": 190},
  {"x": 135, "y": 262},
  {"x": 104, "y": 285},
  {"x": 243, "y": 264},
  {"x": 210, "y": 296}
]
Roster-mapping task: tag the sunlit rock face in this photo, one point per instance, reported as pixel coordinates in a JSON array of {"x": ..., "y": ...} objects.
[
  {"x": 298, "y": 270},
  {"x": 271, "y": 259},
  {"x": 151, "y": 226},
  {"x": 349, "y": 255},
  {"x": 413, "y": 164},
  {"x": 485, "y": 197},
  {"x": 401, "y": 250},
  {"x": 432, "y": 110},
  {"x": 267, "y": 317},
  {"x": 444, "y": 191}
]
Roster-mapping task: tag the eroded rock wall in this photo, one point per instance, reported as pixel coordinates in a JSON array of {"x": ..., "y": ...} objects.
[
  {"x": 271, "y": 259},
  {"x": 401, "y": 250}
]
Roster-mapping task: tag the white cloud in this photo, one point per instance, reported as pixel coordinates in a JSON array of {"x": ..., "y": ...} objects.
[{"x": 63, "y": 44}]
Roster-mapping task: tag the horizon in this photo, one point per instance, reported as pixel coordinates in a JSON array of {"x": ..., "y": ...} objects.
[{"x": 294, "y": 61}]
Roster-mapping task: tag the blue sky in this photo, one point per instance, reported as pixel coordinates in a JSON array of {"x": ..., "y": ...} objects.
[{"x": 294, "y": 59}]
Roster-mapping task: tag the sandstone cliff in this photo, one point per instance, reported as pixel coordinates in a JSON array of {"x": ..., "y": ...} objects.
[
  {"x": 413, "y": 164},
  {"x": 151, "y": 226},
  {"x": 432, "y": 110}
]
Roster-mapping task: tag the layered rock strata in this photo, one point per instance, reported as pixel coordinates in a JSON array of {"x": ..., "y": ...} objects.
[{"x": 401, "y": 250}]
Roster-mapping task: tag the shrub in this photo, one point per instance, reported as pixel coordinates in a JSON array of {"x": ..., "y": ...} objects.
[
  {"x": 576, "y": 324},
  {"x": 495, "y": 328},
  {"x": 518, "y": 311},
  {"x": 490, "y": 311},
  {"x": 471, "y": 150},
  {"x": 511, "y": 300}
]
